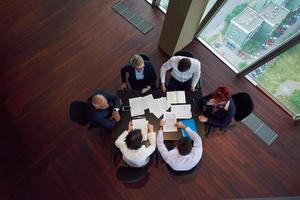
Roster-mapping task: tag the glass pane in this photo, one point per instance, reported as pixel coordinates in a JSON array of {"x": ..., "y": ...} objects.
[
  {"x": 163, "y": 5},
  {"x": 244, "y": 30},
  {"x": 281, "y": 78},
  {"x": 209, "y": 5},
  {"x": 150, "y": 1}
]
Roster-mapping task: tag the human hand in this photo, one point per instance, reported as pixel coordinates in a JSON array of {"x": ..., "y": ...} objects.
[
  {"x": 124, "y": 86},
  {"x": 211, "y": 102},
  {"x": 130, "y": 127},
  {"x": 163, "y": 87},
  {"x": 202, "y": 118},
  {"x": 116, "y": 116},
  {"x": 193, "y": 89},
  {"x": 146, "y": 89},
  {"x": 180, "y": 125},
  {"x": 150, "y": 127}
]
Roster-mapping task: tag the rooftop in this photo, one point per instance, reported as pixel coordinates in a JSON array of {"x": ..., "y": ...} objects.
[
  {"x": 274, "y": 14},
  {"x": 248, "y": 20}
]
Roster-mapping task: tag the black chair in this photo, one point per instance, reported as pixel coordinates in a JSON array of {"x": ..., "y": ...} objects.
[
  {"x": 182, "y": 173},
  {"x": 184, "y": 53},
  {"x": 244, "y": 107},
  {"x": 131, "y": 174},
  {"x": 78, "y": 112},
  {"x": 190, "y": 55}
]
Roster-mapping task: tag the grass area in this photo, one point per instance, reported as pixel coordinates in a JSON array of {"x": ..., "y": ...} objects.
[
  {"x": 285, "y": 67},
  {"x": 292, "y": 102}
]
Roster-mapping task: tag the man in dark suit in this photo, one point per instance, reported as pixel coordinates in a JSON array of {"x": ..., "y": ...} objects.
[
  {"x": 103, "y": 110},
  {"x": 141, "y": 74}
]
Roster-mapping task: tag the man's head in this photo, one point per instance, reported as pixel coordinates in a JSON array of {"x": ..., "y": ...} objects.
[
  {"x": 134, "y": 139},
  {"x": 99, "y": 101},
  {"x": 184, "y": 146},
  {"x": 184, "y": 64},
  {"x": 137, "y": 62},
  {"x": 221, "y": 94}
]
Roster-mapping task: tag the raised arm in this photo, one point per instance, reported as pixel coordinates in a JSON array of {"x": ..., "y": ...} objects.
[
  {"x": 197, "y": 73},
  {"x": 120, "y": 142}
]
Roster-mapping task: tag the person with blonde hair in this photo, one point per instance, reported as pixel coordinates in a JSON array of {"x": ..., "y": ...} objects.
[
  {"x": 141, "y": 74},
  {"x": 103, "y": 110}
]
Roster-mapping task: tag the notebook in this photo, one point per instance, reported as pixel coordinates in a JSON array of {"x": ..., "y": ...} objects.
[
  {"x": 191, "y": 124},
  {"x": 176, "y": 97}
]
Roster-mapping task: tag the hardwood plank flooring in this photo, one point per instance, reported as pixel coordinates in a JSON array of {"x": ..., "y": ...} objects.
[{"x": 56, "y": 51}]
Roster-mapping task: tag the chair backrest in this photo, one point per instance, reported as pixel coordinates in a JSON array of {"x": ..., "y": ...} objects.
[
  {"x": 131, "y": 174},
  {"x": 244, "y": 105},
  {"x": 182, "y": 173},
  {"x": 184, "y": 53},
  {"x": 78, "y": 112}
]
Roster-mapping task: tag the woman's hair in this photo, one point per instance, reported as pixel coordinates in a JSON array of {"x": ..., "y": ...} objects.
[
  {"x": 184, "y": 64},
  {"x": 221, "y": 94},
  {"x": 136, "y": 60},
  {"x": 184, "y": 146},
  {"x": 134, "y": 139}
]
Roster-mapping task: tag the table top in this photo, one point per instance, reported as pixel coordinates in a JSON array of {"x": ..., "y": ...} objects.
[{"x": 191, "y": 98}]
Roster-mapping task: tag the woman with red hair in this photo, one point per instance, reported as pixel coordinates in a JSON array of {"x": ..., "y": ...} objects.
[{"x": 218, "y": 108}]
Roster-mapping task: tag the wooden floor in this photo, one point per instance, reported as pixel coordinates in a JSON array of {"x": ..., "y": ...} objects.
[{"x": 55, "y": 51}]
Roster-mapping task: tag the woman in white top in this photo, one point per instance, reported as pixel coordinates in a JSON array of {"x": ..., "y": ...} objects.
[{"x": 130, "y": 143}]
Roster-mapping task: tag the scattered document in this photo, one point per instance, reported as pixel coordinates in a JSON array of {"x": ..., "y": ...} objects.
[
  {"x": 170, "y": 120},
  {"x": 176, "y": 97},
  {"x": 136, "y": 106},
  {"x": 148, "y": 101},
  {"x": 141, "y": 124},
  {"x": 182, "y": 111},
  {"x": 160, "y": 106}
]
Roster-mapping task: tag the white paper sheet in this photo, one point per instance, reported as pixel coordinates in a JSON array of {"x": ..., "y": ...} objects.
[
  {"x": 136, "y": 106},
  {"x": 148, "y": 101},
  {"x": 170, "y": 120},
  {"x": 141, "y": 124},
  {"x": 182, "y": 111},
  {"x": 176, "y": 97},
  {"x": 160, "y": 106}
]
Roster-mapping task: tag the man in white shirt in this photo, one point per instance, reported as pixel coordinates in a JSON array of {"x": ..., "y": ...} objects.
[
  {"x": 130, "y": 143},
  {"x": 185, "y": 73},
  {"x": 184, "y": 156}
]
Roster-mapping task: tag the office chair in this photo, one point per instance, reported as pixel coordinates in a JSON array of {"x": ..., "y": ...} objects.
[
  {"x": 131, "y": 174},
  {"x": 78, "y": 112},
  {"x": 181, "y": 173},
  {"x": 190, "y": 55},
  {"x": 244, "y": 107}
]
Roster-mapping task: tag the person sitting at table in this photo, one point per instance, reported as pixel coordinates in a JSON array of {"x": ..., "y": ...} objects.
[
  {"x": 185, "y": 73},
  {"x": 103, "y": 110},
  {"x": 218, "y": 108},
  {"x": 141, "y": 74},
  {"x": 134, "y": 151},
  {"x": 185, "y": 155}
]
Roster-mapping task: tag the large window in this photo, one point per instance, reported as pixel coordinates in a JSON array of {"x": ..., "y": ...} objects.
[
  {"x": 280, "y": 78},
  {"x": 163, "y": 5},
  {"x": 243, "y": 31}
]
